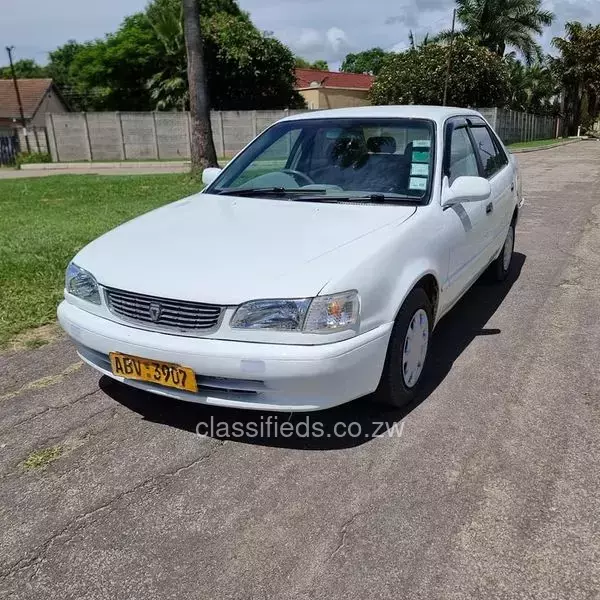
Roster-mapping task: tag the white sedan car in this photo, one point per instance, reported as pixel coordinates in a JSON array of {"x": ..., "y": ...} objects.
[{"x": 310, "y": 271}]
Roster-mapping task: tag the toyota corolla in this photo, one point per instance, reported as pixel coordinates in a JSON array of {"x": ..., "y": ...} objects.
[{"x": 310, "y": 271}]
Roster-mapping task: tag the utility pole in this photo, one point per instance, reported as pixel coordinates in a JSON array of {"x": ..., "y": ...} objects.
[
  {"x": 448, "y": 67},
  {"x": 9, "y": 49}
]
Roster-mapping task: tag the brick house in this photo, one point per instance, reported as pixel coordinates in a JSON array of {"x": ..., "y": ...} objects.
[
  {"x": 329, "y": 89},
  {"x": 38, "y": 96}
]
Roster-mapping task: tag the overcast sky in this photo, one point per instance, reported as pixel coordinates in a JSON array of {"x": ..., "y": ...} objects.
[{"x": 327, "y": 29}]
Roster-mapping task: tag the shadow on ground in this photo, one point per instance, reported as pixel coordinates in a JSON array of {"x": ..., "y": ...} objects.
[{"x": 342, "y": 427}]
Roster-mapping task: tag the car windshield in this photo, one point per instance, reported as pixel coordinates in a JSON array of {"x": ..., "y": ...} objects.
[{"x": 335, "y": 159}]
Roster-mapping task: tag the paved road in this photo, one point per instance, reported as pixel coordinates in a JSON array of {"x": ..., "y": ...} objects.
[
  {"x": 125, "y": 170},
  {"x": 490, "y": 491}
]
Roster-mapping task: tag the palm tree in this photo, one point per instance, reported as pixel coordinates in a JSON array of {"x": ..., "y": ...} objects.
[
  {"x": 168, "y": 88},
  {"x": 533, "y": 88},
  {"x": 202, "y": 146},
  {"x": 412, "y": 41},
  {"x": 577, "y": 68},
  {"x": 517, "y": 75},
  {"x": 499, "y": 24},
  {"x": 542, "y": 88}
]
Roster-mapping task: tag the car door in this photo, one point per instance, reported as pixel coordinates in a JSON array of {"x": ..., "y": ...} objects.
[
  {"x": 494, "y": 166},
  {"x": 465, "y": 223}
]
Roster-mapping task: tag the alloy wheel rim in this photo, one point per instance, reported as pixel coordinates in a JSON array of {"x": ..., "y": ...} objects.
[
  {"x": 508, "y": 249},
  {"x": 414, "y": 350}
]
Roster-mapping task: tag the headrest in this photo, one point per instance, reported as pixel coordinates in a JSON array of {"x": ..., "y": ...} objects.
[{"x": 384, "y": 144}]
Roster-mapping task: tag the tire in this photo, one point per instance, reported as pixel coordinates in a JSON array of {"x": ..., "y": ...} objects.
[
  {"x": 501, "y": 266},
  {"x": 403, "y": 373}
]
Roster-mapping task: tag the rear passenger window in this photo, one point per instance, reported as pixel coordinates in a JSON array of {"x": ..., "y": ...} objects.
[
  {"x": 492, "y": 157},
  {"x": 463, "y": 161}
]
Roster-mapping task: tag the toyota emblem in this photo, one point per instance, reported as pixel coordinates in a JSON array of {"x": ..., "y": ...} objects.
[{"x": 154, "y": 311}]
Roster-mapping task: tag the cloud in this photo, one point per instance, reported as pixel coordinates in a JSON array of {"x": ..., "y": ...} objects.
[
  {"x": 329, "y": 30},
  {"x": 309, "y": 40},
  {"x": 331, "y": 44},
  {"x": 337, "y": 39},
  {"x": 586, "y": 11},
  {"x": 36, "y": 27},
  {"x": 316, "y": 29}
]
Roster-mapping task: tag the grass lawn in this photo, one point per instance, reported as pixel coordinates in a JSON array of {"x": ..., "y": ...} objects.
[
  {"x": 46, "y": 220},
  {"x": 535, "y": 144}
]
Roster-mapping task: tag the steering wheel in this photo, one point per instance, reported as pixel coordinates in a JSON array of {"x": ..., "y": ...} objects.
[{"x": 295, "y": 173}]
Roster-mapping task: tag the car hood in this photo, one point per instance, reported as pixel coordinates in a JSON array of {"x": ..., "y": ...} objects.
[{"x": 226, "y": 250}]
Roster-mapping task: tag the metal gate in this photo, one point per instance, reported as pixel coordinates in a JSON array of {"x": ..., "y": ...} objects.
[{"x": 9, "y": 148}]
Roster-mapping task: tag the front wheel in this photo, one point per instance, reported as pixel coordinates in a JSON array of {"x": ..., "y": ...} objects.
[
  {"x": 407, "y": 351},
  {"x": 501, "y": 266}
]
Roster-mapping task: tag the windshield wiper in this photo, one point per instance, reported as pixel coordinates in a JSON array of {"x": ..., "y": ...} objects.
[
  {"x": 271, "y": 191},
  {"x": 367, "y": 198},
  {"x": 381, "y": 198},
  {"x": 301, "y": 195}
]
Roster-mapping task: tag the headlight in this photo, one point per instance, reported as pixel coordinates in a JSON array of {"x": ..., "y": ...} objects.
[
  {"x": 82, "y": 284},
  {"x": 287, "y": 315},
  {"x": 312, "y": 315}
]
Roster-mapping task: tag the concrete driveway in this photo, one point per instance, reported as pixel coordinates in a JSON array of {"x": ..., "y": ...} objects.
[{"x": 487, "y": 488}]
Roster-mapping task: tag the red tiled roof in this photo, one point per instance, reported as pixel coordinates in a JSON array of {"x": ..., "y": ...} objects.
[
  {"x": 31, "y": 90},
  {"x": 331, "y": 79}
]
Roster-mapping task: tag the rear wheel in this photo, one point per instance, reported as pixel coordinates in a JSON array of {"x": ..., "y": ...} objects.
[
  {"x": 501, "y": 266},
  {"x": 407, "y": 351}
]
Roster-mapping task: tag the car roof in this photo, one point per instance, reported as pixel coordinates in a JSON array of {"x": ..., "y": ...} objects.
[{"x": 434, "y": 113}]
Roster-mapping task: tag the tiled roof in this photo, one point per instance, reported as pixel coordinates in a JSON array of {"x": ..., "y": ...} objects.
[
  {"x": 331, "y": 79},
  {"x": 31, "y": 90}
]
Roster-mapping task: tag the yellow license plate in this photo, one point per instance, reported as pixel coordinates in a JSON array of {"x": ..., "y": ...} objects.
[{"x": 153, "y": 371}]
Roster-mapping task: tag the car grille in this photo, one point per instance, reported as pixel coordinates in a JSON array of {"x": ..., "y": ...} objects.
[{"x": 163, "y": 313}]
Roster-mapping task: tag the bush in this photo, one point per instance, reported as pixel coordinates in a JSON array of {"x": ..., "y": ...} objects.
[
  {"x": 478, "y": 77},
  {"x": 28, "y": 158}
]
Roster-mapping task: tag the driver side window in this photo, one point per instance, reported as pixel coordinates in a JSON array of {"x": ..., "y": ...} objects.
[
  {"x": 463, "y": 161},
  {"x": 273, "y": 159}
]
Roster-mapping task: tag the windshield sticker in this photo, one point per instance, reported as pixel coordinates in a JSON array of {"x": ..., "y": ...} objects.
[
  {"x": 421, "y": 144},
  {"x": 418, "y": 183},
  {"x": 420, "y": 156},
  {"x": 421, "y": 169},
  {"x": 333, "y": 134}
]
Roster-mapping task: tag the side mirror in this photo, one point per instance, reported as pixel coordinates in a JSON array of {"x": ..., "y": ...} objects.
[
  {"x": 210, "y": 174},
  {"x": 465, "y": 189}
]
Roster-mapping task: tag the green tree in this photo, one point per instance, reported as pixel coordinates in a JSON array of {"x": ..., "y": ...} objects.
[
  {"x": 246, "y": 68},
  {"x": 169, "y": 86},
  {"x": 517, "y": 77},
  {"x": 142, "y": 66},
  {"x": 578, "y": 70},
  {"x": 412, "y": 40},
  {"x": 500, "y": 24},
  {"x": 533, "y": 88},
  {"x": 320, "y": 65},
  {"x": 24, "y": 69},
  {"x": 368, "y": 61},
  {"x": 478, "y": 77},
  {"x": 58, "y": 69},
  {"x": 302, "y": 63},
  {"x": 111, "y": 73}
]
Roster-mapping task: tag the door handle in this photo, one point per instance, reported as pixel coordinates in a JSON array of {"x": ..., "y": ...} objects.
[{"x": 489, "y": 208}]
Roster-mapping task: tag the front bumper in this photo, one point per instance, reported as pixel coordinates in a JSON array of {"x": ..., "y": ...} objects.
[{"x": 240, "y": 374}]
